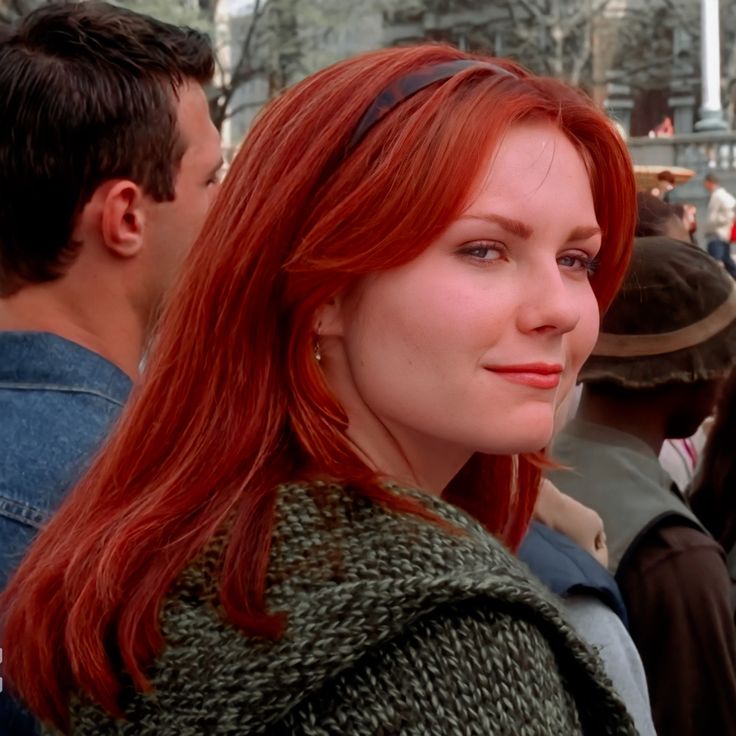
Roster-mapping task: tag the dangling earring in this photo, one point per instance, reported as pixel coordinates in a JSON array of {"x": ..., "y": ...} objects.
[{"x": 315, "y": 346}]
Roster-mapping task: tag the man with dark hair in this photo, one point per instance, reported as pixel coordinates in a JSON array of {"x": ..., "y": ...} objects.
[
  {"x": 656, "y": 217},
  {"x": 666, "y": 343},
  {"x": 108, "y": 163},
  {"x": 720, "y": 221}
]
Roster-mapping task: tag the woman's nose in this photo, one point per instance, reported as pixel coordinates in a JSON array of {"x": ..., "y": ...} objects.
[{"x": 550, "y": 303}]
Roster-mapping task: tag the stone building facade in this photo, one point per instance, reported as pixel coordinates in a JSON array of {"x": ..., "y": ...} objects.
[{"x": 639, "y": 58}]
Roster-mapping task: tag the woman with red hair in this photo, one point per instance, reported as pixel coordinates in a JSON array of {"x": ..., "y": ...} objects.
[{"x": 301, "y": 523}]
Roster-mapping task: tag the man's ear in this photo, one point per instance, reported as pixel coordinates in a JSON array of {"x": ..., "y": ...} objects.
[
  {"x": 329, "y": 319},
  {"x": 122, "y": 217}
]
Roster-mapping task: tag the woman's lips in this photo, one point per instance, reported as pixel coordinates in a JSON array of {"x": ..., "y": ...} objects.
[{"x": 536, "y": 375}]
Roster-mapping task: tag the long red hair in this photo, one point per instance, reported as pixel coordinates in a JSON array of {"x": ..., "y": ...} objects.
[{"x": 233, "y": 402}]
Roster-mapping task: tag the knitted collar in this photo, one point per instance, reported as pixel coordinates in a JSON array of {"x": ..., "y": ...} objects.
[{"x": 350, "y": 575}]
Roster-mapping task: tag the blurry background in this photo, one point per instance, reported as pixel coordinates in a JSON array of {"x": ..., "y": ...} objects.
[{"x": 642, "y": 60}]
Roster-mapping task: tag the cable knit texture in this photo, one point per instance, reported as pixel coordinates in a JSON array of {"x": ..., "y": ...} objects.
[{"x": 395, "y": 625}]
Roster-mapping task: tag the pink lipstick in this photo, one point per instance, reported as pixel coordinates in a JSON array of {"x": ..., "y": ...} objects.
[{"x": 536, "y": 375}]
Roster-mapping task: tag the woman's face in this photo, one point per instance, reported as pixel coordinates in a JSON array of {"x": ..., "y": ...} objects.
[{"x": 468, "y": 347}]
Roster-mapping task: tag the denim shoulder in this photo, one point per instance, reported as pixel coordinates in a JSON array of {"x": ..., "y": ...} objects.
[{"x": 48, "y": 439}]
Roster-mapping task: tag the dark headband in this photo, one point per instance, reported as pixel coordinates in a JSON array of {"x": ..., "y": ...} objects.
[{"x": 404, "y": 87}]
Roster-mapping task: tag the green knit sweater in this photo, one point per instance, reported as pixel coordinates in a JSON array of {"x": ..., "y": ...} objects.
[{"x": 395, "y": 626}]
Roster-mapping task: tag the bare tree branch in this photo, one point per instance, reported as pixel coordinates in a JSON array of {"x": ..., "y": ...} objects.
[
  {"x": 539, "y": 15},
  {"x": 243, "y": 70}
]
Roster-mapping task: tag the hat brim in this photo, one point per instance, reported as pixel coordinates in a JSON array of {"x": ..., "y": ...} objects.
[{"x": 712, "y": 359}]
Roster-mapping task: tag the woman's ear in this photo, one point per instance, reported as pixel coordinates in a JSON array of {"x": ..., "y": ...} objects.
[{"x": 329, "y": 319}]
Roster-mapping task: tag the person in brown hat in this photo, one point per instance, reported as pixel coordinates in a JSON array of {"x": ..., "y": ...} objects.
[{"x": 665, "y": 346}]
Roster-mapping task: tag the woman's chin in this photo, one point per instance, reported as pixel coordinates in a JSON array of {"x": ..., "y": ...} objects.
[{"x": 523, "y": 436}]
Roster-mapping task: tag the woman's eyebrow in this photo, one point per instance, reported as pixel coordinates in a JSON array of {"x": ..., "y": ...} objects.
[
  {"x": 522, "y": 230},
  {"x": 515, "y": 227},
  {"x": 584, "y": 232}
]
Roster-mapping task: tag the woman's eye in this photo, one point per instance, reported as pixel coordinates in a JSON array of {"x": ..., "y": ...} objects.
[
  {"x": 579, "y": 262},
  {"x": 484, "y": 251}
]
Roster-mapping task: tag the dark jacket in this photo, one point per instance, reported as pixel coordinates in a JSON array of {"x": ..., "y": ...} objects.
[{"x": 671, "y": 573}]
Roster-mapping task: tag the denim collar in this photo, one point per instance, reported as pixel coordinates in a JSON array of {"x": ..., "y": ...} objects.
[{"x": 40, "y": 360}]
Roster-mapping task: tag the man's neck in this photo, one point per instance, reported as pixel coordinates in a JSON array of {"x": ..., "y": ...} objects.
[
  {"x": 636, "y": 418},
  {"x": 115, "y": 335}
]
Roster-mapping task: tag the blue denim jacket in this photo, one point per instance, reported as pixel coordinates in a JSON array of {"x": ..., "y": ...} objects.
[{"x": 57, "y": 403}]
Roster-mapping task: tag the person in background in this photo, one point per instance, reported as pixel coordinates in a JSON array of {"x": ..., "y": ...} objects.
[
  {"x": 688, "y": 214},
  {"x": 655, "y": 217},
  {"x": 664, "y": 129},
  {"x": 108, "y": 163},
  {"x": 667, "y": 342},
  {"x": 565, "y": 547},
  {"x": 713, "y": 492},
  {"x": 665, "y": 184},
  {"x": 565, "y": 515},
  {"x": 679, "y": 455},
  {"x": 293, "y": 528},
  {"x": 720, "y": 222}
]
